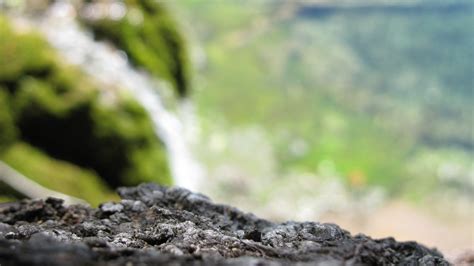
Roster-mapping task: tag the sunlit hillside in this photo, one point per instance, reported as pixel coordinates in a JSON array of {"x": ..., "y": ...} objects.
[{"x": 380, "y": 91}]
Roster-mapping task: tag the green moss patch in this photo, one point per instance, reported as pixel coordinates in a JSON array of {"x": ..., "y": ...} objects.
[
  {"x": 57, "y": 175},
  {"x": 8, "y": 130},
  {"x": 60, "y": 112},
  {"x": 150, "y": 38}
]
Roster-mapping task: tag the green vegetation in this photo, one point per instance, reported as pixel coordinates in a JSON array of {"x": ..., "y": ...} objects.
[
  {"x": 59, "y": 129},
  {"x": 150, "y": 38},
  {"x": 57, "y": 175},
  {"x": 7, "y": 128},
  {"x": 384, "y": 97},
  {"x": 369, "y": 92}
]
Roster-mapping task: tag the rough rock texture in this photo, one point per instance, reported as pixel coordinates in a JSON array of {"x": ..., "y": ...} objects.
[{"x": 171, "y": 226}]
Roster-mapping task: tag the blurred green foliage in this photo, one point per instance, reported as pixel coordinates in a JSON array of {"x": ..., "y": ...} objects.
[
  {"x": 151, "y": 39},
  {"x": 366, "y": 92},
  {"x": 61, "y": 112},
  {"x": 56, "y": 174},
  {"x": 8, "y": 130}
]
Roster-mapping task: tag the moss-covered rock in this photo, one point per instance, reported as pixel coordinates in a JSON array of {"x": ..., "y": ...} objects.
[
  {"x": 150, "y": 38},
  {"x": 60, "y": 111},
  {"x": 8, "y": 130},
  {"x": 22, "y": 55},
  {"x": 56, "y": 174}
]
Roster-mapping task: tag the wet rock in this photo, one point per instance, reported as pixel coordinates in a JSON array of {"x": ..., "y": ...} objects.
[{"x": 173, "y": 226}]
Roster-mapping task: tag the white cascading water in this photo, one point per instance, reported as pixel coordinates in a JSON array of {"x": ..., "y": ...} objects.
[{"x": 110, "y": 66}]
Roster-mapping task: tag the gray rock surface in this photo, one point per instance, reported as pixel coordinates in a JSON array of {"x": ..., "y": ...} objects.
[{"x": 155, "y": 225}]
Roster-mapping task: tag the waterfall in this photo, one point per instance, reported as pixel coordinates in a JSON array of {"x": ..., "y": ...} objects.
[{"x": 109, "y": 66}]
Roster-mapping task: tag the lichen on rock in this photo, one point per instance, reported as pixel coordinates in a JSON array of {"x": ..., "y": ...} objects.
[{"x": 154, "y": 225}]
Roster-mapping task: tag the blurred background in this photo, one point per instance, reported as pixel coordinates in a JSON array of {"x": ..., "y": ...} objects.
[{"x": 352, "y": 112}]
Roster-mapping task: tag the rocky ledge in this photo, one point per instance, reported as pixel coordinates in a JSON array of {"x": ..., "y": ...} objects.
[{"x": 155, "y": 225}]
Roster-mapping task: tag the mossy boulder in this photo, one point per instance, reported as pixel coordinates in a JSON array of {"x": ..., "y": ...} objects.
[
  {"x": 8, "y": 130},
  {"x": 149, "y": 36},
  {"x": 56, "y": 174},
  {"x": 60, "y": 111}
]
